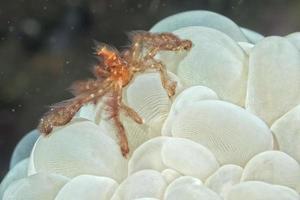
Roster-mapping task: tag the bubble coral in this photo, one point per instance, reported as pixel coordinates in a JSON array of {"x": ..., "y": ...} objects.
[{"x": 231, "y": 131}]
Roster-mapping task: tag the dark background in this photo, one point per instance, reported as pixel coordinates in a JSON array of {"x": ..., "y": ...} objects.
[{"x": 47, "y": 44}]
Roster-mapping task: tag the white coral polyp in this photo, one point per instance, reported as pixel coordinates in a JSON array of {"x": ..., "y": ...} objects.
[
  {"x": 98, "y": 188},
  {"x": 237, "y": 102},
  {"x": 271, "y": 167},
  {"x": 256, "y": 190},
  {"x": 79, "y": 148},
  {"x": 216, "y": 127},
  {"x": 215, "y": 61}
]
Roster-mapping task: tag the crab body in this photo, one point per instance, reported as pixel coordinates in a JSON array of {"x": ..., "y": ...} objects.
[{"x": 113, "y": 73}]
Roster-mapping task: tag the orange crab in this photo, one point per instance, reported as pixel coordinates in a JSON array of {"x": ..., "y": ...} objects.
[{"x": 113, "y": 73}]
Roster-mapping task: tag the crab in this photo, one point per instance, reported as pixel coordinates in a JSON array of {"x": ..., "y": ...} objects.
[{"x": 114, "y": 72}]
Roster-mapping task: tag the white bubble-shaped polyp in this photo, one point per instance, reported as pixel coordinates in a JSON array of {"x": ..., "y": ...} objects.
[
  {"x": 36, "y": 187},
  {"x": 17, "y": 172},
  {"x": 23, "y": 148},
  {"x": 136, "y": 133},
  {"x": 187, "y": 96},
  {"x": 147, "y": 97},
  {"x": 215, "y": 61},
  {"x": 187, "y": 187},
  {"x": 189, "y": 158},
  {"x": 252, "y": 36},
  {"x": 145, "y": 183},
  {"x": 90, "y": 112},
  {"x": 30, "y": 168},
  {"x": 287, "y": 132},
  {"x": 247, "y": 47},
  {"x": 170, "y": 175},
  {"x": 200, "y": 18},
  {"x": 294, "y": 38},
  {"x": 88, "y": 187},
  {"x": 273, "y": 167},
  {"x": 193, "y": 94},
  {"x": 224, "y": 178},
  {"x": 146, "y": 199},
  {"x": 182, "y": 155},
  {"x": 171, "y": 59},
  {"x": 148, "y": 156},
  {"x": 273, "y": 83},
  {"x": 79, "y": 148},
  {"x": 214, "y": 125},
  {"x": 256, "y": 190}
]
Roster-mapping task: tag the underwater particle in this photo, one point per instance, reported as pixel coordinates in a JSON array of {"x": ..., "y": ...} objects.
[
  {"x": 113, "y": 73},
  {"x": 11, "y": 28},
  {"x": 31, "y": 27}
]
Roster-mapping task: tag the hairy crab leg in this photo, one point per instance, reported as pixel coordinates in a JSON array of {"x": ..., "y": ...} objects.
[
  {"x": 62, "y": 113},
  {"x": 132, "y": 113},
  {"x": 115, "y": 105},
  {"x": 136, "y": 51},
  {"x": 155, "y": 43},
  {"x": 167, "y": 83},
  {"x": 162, "y": 41}
]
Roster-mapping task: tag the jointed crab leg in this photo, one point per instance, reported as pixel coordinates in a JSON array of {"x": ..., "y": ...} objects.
[
  {"x": 155, "y": 43},
  {"x": 61, "y": 113},
  {"x": 131, "y": 113},
  {"x": 115, "y": 104},
  {"x": 167, "y": 83}
]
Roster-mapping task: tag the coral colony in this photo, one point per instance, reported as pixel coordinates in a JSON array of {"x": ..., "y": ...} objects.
[
  {"x": 113, "y": 73},
  {"x": 231, "y": 131}
]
